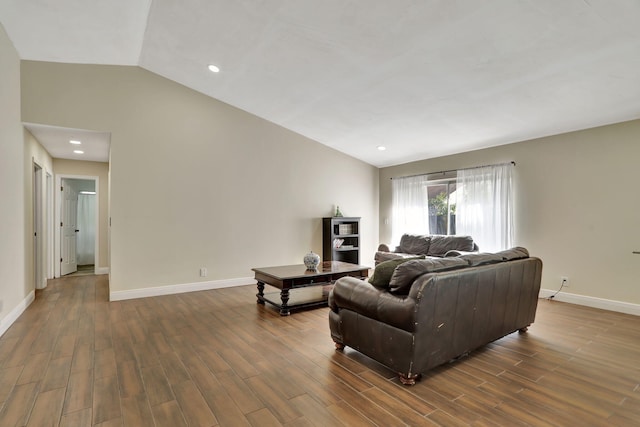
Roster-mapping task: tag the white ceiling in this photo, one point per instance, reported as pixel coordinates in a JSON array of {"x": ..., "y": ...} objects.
[
  {"x": 423, "y": 78},
  {"x": 95, "y": 145}
]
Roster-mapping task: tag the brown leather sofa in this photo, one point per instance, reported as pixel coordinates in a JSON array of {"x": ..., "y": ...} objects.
[
  {"x": 432, "y": 245},
  {"x": 436, "y": 309}
]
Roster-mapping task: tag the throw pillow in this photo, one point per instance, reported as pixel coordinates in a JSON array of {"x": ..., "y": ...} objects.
[
  {"x": 514, "y": 253},
  {"x": 413, "y": 244},
  {"x": 383, "y": 271},
  {"x": 404, "y": 275}
]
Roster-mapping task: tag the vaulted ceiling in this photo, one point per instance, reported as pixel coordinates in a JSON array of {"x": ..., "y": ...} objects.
[{"x": 421, "y": 78}]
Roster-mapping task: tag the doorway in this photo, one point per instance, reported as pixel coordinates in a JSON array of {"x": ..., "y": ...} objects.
[{"x": 78, "y": 231}]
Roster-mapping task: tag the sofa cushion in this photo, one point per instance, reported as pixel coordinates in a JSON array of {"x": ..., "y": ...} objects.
[
  {"x": 383, "y": 271},
  {"x": 405, "y": 274},
  {"x": 413, "y": 244},
  {"x": 440, "y": 245},
  {"x": 382, "y": 256},
  {"x": 514, "y": 253},
  {"x": 481, "y": 259}
]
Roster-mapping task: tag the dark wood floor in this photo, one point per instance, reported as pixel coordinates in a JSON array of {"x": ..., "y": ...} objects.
[{"x": 217, "y": 358}]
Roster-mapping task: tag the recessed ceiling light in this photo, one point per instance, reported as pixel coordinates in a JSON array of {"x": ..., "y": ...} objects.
[
  {"x": 381, "y": 147},
  {"x": 214, "y": 69},
  {"x": 74, "y": 142},
  {"x": 78, "y": 151}
]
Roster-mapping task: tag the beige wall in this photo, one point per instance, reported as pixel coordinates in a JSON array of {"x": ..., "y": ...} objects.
[
  {"x": 577, "y": 205},
  {"x": 101, "y": 170},
  {"x": 35, "y": 153},
  {"x": 197, "y": 183},
  {"x": 14, "y": 287}
]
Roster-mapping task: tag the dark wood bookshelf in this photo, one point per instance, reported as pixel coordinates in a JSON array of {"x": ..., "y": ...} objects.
[{"x": 346, "y": 229}]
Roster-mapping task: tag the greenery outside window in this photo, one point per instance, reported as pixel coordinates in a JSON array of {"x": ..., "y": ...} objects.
[{"x": 442, "y": 206}]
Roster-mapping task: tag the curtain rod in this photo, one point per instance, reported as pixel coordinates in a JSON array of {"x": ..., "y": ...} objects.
[{"x": 455, "y": 170}]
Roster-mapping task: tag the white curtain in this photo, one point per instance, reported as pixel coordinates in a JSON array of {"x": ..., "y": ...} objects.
[
  {"x": 484, "y": 206},
  {"x": 410, "y": 208},
  {"x": 86, "y": 237}
]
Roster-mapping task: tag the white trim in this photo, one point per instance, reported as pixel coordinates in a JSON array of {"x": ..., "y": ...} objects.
[
  {"x": 7, "y": 321},
  {"x": 101, "y": 270},
  {"x": 604, "y": 304},
  {"x": 179, "y": 289}
]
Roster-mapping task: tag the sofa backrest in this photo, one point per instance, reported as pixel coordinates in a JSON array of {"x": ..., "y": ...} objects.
[
  {"x": 463, "y": 309},
  {"x": 463, "y": 262},
  {"x": 414, "y": 244},
  {"x": 434, "y": 245},
  {"x": 440, "y": 245}
]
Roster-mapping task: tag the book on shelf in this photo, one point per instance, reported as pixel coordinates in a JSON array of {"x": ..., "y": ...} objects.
[
  {"x": 345, "y": 228},
  {"x": 337, "y": 243}
]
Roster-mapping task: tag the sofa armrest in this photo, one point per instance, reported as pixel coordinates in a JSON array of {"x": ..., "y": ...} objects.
[
  {"x": 383, "y": 248},
  {"x": 362, "y": 297},
  {"x": 454, "y": 253}
]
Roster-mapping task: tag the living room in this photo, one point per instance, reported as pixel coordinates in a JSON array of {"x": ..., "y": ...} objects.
[
  {"x": 195, "y": 182},
  {"x": 171, "y": 172},
  {"x": 179, "y": 160}
]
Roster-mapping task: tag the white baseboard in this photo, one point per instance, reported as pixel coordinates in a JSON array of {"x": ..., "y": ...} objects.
[
  {"x": 605, "y": 304},
  {"x": 13, "y": 315},
  {"x": 102, "y": 270},
  {"x": 179, "y": 289}
]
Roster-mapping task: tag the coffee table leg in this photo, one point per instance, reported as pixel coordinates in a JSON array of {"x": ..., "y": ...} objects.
[
  {"x": 284, "y": 308},
  {"x": 260, "y": 293}
]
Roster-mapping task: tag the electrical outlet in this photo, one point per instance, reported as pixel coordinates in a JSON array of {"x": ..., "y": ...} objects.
[
  {"x": 203, "y": 272},
  {"x": 564, "y": 280}
]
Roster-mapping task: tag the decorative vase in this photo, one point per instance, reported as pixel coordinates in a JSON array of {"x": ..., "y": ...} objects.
[{"x": 311, "y": 261}]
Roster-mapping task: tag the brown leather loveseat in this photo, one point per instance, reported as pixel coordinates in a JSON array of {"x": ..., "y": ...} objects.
[
  {"x": 432, "y": 245},
  {"x": 422, "y": 313}
]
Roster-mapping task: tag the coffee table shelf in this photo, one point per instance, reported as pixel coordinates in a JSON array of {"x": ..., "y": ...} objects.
[{"x": 310, "y": 296}]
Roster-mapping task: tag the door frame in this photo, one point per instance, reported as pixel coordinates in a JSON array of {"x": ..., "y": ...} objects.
[
  {"x": 58, "y": 216},
  {"x": 42, "y": 223},
  {"x": 50, "y": 226},
  {"x": 39, "y": 257}
]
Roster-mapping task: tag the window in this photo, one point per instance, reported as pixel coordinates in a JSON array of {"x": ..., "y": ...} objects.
[{"x": 477, "y": 202}]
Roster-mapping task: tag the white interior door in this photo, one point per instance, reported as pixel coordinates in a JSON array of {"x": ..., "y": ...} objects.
[{"x": 68, "y": 262}]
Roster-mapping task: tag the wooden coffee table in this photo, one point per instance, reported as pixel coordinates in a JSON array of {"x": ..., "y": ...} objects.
[{"x": 299, "y": 287}]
